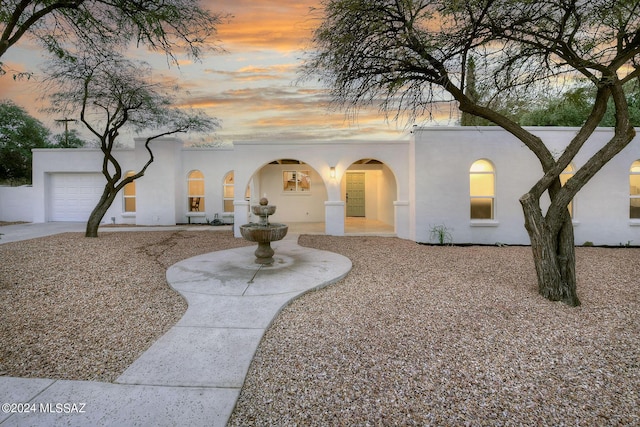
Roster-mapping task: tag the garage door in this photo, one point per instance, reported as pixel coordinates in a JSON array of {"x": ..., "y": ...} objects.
[{"x": 74, "y": 195}]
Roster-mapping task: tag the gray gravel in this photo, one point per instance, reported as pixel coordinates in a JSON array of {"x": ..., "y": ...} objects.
[
  {"x": 421, "y": 335},
  {"x": 85, "y": 309},
  {"x": 414, "y": 335}
]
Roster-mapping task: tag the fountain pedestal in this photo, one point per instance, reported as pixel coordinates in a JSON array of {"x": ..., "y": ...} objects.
[{"x": 263, "y": 232}]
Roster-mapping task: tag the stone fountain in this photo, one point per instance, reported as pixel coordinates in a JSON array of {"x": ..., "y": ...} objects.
[{"x": 264, "y": 232}]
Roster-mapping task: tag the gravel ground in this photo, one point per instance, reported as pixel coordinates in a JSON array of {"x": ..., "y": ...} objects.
[
  {"x": 414, "y": 335},
  {"x": 85, "y": 309},
  {"x": 423, "y": 335}
]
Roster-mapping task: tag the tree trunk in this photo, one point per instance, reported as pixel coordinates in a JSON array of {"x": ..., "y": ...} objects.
[
  {"x": 553, "y": 253},
  {"x": 99, "y": 211}
]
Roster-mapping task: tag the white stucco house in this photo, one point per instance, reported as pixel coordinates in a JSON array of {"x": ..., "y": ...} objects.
[{"x": 466, "y": 179}]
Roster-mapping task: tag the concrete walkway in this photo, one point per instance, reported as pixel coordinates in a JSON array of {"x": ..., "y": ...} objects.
[
  {"x": 193, "y": 374},
  {"x": 26, "y": 231}
]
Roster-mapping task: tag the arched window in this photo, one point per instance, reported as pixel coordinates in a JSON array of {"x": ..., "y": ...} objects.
[
  {"x": 482, "y": 189},
  {"x": 196, "y": 191},
  {"x": 129, "y": 194},
  {"x": 634, "y": 190},
  {"x": 228, "y": 192},
  {"x": 564, "y": 177}
]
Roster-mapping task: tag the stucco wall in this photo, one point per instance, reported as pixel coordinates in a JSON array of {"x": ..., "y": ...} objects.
[
  {"x": 16, "y": 203},
  {"x": 75, "y": 160},
  {"x": 320, "y": 156},
  {"x": 444, "y": 155},
  {"x": 158, "y": 190},
  {"x": 421, "y": 183},
  {"x": 291, "y": 206},
  {"x": 215, "y": 164}
]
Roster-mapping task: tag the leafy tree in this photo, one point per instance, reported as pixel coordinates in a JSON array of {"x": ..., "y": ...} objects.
[
  {"x": 410, "y": 53},
  {"x": 163, "y": 25},
  {"x": 112, "y": 94},
  {"x": 19, "y": 133},
  {"x": 69, "y": 139},
  {"x": 570, "y": 109},
  {"x": 471, "y": 91},
  {"x": 573, "y": 107}
]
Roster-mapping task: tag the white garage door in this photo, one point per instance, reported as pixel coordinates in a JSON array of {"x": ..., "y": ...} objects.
[{"x": 74, "y": 195}]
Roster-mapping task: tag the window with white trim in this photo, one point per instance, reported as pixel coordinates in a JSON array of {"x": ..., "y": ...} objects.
[
  {"x": 129, "y": 195},
  {"x": 482, "y": 190},
  {"x": 228, "y": 192},
  {"x": 564, "y": 177},
  {"x": 296, "y": 181},
  {"x": 634, "y": 190},
  {"x": 195, "y": 184}
]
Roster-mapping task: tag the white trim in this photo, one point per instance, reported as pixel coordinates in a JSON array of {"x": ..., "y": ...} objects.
[{"x": 484, "y": 223}]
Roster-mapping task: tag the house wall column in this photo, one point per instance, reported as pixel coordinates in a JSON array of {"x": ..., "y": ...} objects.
[
  {"x": 411, "y": 188},
  {"x": 240, "y": 215},
  {"x": 157, "y": 191},
  {"x": 39, "y": 186},
  {"x": 334, "y": 207},
  {"x": 402, "y": 219},
  {"x": 334, "y": 217}
]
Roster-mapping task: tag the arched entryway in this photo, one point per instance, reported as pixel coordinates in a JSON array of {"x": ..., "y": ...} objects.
[
  {"x": 369, "y": 189},
  {"x": 297, "y": 190}
]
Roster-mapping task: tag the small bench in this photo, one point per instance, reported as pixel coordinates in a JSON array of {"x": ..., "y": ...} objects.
[{"x": 197, "y": 215}]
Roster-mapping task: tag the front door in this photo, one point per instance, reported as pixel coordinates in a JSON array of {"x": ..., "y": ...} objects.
[{"x": 355, "y": 194}]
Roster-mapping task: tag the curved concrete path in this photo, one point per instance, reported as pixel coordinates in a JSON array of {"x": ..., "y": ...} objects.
[{"x": 193, "y": 374}]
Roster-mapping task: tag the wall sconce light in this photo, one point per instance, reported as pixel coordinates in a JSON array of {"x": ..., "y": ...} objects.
[{"x": 332, "y": 172}]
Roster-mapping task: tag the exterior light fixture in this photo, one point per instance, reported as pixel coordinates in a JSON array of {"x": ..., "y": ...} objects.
[{"x": 332, "y": 172}]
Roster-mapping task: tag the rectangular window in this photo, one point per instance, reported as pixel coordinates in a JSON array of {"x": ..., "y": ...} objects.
[
  {"x": 196, "y": 204},
  {"x": 130, "y": 195},
  {"x": 634, "y": 196},
  {"x": 196, "y": 191},
  {"x": 482, "y": 208},
  {"x": 296, "y": 181},
  {"x": 228, "y": 193},
  {"x": 129, "y": 204},
  {"x": 564, "y": 177},
  {"x": 482, "y": 190}
]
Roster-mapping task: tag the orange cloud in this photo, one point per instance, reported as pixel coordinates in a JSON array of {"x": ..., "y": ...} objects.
[
  {"x": 256, "y": 73},
  {"x": 24, "y": 92},
  {"x": 250, "y": 89},
  {"x": 269, "y": 99},
  {"x": 283, "y": 25}
]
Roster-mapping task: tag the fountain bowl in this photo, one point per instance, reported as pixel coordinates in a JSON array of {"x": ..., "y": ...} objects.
[
  {"x": 260, "y": 233},
  {"x": 264, "y": 233},
  {"x": 263, "y": 210}
]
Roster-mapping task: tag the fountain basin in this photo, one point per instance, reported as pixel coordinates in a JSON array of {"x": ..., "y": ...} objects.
[
  {"x": 264, "y": 234},
  {"x": 259, "y": 233},
  {"x": 263, "y": 211}
]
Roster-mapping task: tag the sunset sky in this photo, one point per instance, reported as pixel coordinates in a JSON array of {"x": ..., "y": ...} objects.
[{"x": 252, "y": 88}]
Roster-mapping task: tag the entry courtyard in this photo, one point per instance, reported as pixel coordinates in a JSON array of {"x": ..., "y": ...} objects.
[{"x": 413, "y": 335}]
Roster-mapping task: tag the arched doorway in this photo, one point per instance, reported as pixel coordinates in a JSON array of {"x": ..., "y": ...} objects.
[{"x": 369, "y": 189}]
